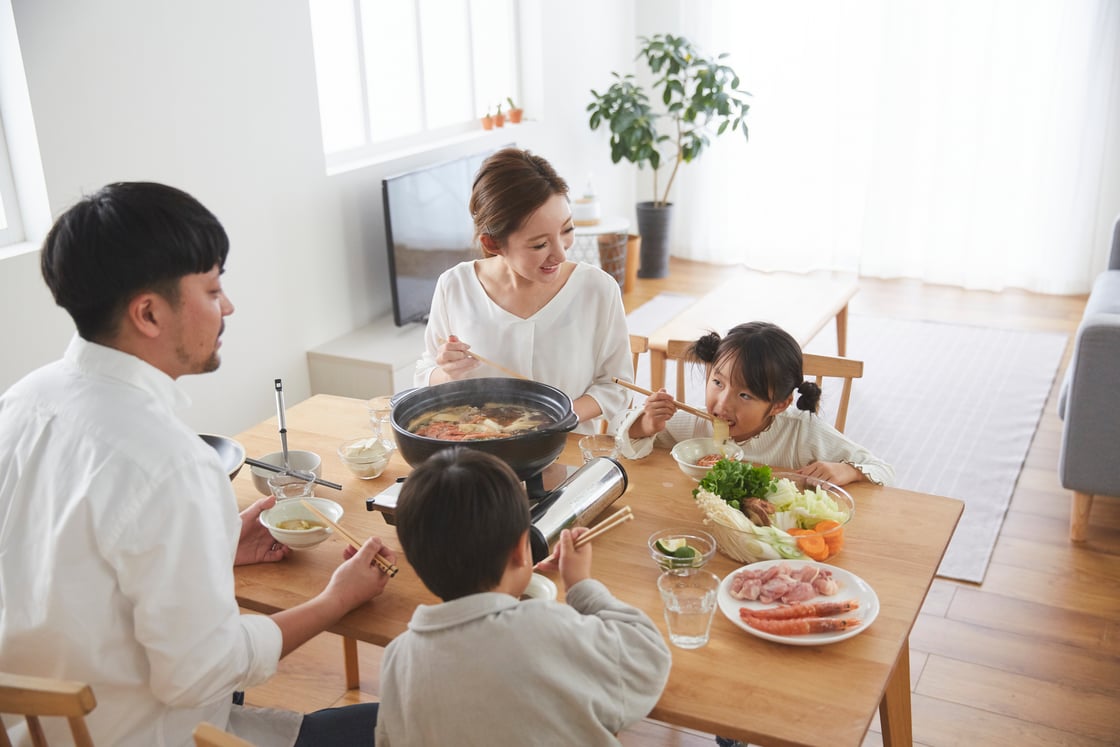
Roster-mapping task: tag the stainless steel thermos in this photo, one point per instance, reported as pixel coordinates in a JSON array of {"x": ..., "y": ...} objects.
[{"x": 576, "y": 501}]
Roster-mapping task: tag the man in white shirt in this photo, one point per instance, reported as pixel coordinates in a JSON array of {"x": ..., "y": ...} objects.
[{"x": 119, "y": 529}]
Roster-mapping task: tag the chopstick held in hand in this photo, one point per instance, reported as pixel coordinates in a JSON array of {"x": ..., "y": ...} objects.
[
  {"x": 488, "y": 362},
  {"x": 678, "y": 403},
  {"x": 382, "y": 563},
  {"x": 618, "y": 518}
]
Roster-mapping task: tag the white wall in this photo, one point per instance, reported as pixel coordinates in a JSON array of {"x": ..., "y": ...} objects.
[{"x": 218, "y": 98}]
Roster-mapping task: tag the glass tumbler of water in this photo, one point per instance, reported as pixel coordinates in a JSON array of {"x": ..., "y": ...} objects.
[
  {"x": 690, "y": 602},
  {"x": 599, "y": 445}
]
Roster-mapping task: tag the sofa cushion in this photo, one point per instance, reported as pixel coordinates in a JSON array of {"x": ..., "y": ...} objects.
[{"x": 1104, "y": 299}]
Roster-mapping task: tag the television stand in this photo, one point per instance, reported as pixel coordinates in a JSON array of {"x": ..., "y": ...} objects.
[{"x": 378, "y": 358}]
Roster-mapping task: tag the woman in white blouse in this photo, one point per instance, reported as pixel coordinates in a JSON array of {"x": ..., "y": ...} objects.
[{"x": 524, "y": 305}]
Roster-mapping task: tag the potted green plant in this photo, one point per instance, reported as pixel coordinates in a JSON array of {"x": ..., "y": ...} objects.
[
  {"x": 701, "y": 99},
  {"x": 499, "y": 118},
  {"x": 514, "y": 112},
  {"x": 487, "y": 120}
]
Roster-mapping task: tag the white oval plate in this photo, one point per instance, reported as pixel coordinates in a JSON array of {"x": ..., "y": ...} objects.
[{"x": 851, "y": 587}]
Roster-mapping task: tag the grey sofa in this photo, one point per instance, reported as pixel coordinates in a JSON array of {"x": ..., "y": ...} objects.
[{"x": 1089, "y": 404}]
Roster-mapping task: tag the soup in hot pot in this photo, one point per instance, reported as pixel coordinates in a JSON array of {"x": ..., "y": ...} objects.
[{"x": 472, "y": 423}]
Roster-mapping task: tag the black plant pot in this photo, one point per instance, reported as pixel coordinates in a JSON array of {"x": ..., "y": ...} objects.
[{"x": 654, "y": 224}]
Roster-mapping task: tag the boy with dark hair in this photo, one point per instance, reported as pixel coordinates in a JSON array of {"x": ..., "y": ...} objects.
[{"x": 483, "y": 668}]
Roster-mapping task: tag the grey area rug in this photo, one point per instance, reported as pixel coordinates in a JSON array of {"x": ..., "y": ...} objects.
[{"x": 952, "y": 407}]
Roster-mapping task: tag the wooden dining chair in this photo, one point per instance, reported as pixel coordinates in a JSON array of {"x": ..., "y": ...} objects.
[
  {"x": 38, "y": 697},
  {"x": 208, "y": 735},
  {"x": 819, "y": 367},
  {"x": 638, "y": 344},
  {"x": 677, "y": 351}
]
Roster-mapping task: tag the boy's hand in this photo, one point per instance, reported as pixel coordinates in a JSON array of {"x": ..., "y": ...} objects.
[
  {"x": 659, "y": 407},
  {"x": 575, "y": 564}
]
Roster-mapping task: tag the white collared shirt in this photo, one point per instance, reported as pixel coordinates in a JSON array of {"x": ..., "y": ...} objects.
[{"x": 118, "y": 529}]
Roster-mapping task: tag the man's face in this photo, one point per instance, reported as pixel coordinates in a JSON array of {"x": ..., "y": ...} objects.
[{"x": 198, "y": 322}]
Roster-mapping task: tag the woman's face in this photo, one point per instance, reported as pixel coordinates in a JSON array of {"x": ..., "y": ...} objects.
[
  {"x": 536, "y": 250},
  {"x": 726, "y": 397}
]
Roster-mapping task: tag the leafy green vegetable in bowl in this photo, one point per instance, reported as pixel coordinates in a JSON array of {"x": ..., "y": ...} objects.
[
  {"x": 734, "y": 481},
  {"x": 756, "y": 514}
]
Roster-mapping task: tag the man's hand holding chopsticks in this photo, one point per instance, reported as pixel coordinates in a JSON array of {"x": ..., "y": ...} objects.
[{"x": 359, "y": 578}]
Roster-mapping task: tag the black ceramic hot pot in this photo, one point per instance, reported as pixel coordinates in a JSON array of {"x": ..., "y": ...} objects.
[{"x": 528, "y": 453}]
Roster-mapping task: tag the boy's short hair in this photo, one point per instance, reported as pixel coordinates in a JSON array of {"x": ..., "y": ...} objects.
[
  {"x": 127, "y": 238},
  {"x": 459, "y": 515}
]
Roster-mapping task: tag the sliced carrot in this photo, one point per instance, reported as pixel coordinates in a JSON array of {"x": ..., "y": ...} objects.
[
  {"x": 833, "y": 533},
  {"x": 810, "y": 543}
]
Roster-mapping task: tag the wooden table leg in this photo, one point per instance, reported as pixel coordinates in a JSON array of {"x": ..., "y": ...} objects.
[
  {"x": 894, "y": 708},
  {"x": 657, "y": 361},
  {"x": 842, "y": 331},
  {"x": 350, "y": 659}
]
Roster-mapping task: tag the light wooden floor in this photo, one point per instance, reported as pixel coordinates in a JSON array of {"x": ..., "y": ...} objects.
[{"x": 1029, "y": 657}]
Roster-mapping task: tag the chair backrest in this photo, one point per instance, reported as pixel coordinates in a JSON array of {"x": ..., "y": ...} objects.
[
  {"x": 677, "y": 350},
  {"x": 821, "y": 366},
  {"x": 38, "y": 697},
  {"x": 208, "y": 735},
  {"x": 638, "y": 344}
]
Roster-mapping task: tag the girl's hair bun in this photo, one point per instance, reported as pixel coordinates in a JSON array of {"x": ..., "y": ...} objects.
[
  {"x": 810, "y": 398},
  {"x": 706, "y": 348}
]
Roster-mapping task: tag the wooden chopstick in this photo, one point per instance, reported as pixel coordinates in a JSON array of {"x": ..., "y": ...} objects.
[
  {"x": 382, "y": 563},
  {"x": 491, "y": 363},
  {"x": 620, "y": 516},
  {"x": 678, "y": 403}
]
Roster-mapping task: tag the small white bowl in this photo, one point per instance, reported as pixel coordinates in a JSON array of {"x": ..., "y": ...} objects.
[
  {"x": 292, "y": 510},
  {"x": 540, "y": 587},
  {"x": 366, "y": 456},
  {"x": 688, "y": 453},
  {"x": 308, "y": 461}
]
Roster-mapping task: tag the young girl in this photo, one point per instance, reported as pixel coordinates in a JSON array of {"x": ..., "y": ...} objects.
[{"x": 752, "y": 374}]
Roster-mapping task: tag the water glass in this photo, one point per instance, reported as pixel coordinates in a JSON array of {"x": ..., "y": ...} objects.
[
  {"x": 284, "y": 486},
  {"x": 599, "y": 445},
  {"x": 690, "y": 603}
]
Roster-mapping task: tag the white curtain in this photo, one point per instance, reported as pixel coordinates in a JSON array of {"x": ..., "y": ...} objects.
[{"x": 964, "y": 142}]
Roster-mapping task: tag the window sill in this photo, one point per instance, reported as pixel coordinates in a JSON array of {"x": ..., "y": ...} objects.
[
  {"x": 493, "y": 138},
  {"x": 18, "y": 249}
]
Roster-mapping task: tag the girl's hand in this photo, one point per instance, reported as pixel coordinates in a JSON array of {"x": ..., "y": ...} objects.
[
  {"x": 575, "y": 565},
  {"x": 836, "y": 473},
  {"x": 453, "y": 360},
  {"x": 656, "y": 412}
]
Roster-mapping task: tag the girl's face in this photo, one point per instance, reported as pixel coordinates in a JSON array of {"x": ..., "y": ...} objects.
[
  {"x": 536, "y": 250},
  {"x": 745, "y": 413}
]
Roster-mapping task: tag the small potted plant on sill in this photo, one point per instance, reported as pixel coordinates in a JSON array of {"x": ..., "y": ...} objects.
[
  {"x": 515, "y": 111},
  {"x": 701, "y": 99},
  {"x": 499, "y": 118},
  {"x": 487, "y": 121}
]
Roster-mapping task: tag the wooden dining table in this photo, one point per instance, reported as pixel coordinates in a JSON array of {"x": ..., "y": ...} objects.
[{"x": 738, "y": 685}]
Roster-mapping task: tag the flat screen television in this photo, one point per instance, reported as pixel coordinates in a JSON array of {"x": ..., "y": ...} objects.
[{"x": 428, "y": 229}]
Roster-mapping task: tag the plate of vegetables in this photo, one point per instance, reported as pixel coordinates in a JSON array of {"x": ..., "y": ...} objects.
[
  {"x": 798, "y": 603},
  {"x": 757, "y": 514}
]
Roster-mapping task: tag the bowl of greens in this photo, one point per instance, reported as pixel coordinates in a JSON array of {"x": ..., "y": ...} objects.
[{"x": 757, "y": 514}]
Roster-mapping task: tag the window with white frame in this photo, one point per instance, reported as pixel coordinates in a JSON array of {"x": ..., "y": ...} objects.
[
  {"x": 11, "y": 228},
  {"x": 396, "y": 75}
]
